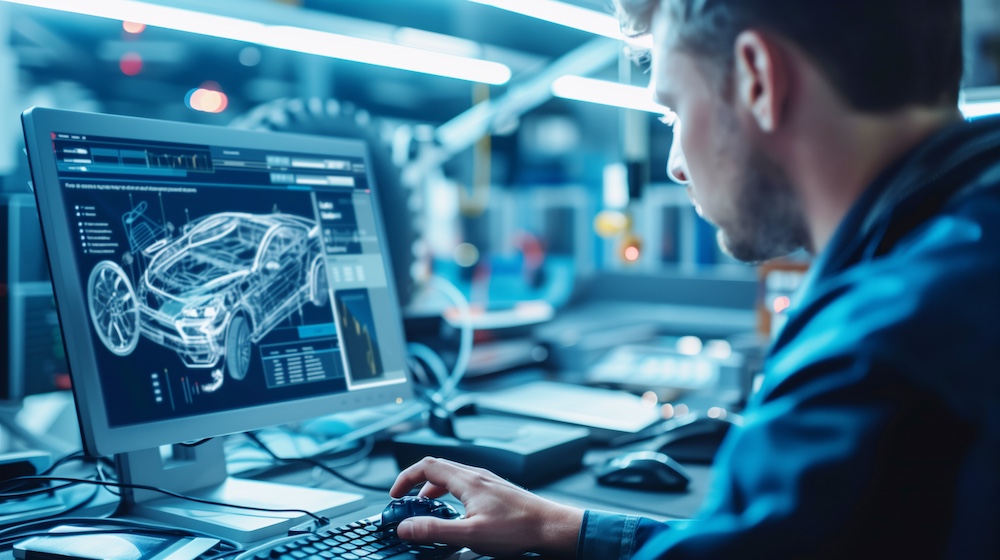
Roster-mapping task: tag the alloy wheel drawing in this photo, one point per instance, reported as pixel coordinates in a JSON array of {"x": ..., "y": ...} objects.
[
  {"x": 319, "y": 293},
  {"x": 238, "y": 348},
  {"x": 114, "y": 309}
]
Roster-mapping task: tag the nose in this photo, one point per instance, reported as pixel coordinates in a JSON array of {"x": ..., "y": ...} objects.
[{"x": 676, "y": 164}]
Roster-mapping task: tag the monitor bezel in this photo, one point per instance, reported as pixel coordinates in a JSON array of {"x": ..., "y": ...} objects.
[{"x": 99, "y": 436}]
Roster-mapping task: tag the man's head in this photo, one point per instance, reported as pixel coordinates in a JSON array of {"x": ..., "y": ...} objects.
[{"x": 734, "y": 70}]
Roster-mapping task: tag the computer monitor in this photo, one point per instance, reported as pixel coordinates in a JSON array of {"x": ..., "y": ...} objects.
[
  {"x": 212, "y": 281},
  {"x": 31, "y": 348}
]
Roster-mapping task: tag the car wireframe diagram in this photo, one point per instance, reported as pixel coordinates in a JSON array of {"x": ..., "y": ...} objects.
[{"x": 212, "y": 292}]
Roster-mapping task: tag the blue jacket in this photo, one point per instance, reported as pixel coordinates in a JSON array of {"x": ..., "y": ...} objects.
[{"x": 876, "y": 433}]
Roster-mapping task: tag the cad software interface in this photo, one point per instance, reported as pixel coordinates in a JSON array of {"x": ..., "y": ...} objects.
[{"x": 217, "y": 278}]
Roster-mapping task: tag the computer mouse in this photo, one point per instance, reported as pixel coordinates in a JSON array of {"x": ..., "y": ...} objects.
[
  {"x": 645, "y": 470},
  {"x": 697, "y": 440},
  {"x": 412, "y": 506}
]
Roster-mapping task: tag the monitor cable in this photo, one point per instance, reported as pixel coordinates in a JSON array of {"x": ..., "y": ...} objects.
[
  {"x": 461, "y": 304},
  {"x": 31, "y": 489},
  {"x": 71, "y": 481},
  {"x": 440, "y": 418},
  {"x": 310, "y": 461}
]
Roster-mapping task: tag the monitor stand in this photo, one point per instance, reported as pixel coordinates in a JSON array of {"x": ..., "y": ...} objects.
[{"x": 200, "y": 472}]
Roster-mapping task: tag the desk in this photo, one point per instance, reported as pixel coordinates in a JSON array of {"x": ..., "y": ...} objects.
[{"x": 578, "y": 489}]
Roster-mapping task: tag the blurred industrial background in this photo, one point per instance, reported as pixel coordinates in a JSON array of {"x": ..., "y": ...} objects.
[{"x": 495, "y": 174}]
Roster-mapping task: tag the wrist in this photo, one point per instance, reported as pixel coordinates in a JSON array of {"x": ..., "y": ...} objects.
[{"x": 560, "y": 531}]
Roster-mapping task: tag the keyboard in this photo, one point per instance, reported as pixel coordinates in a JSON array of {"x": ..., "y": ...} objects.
[{"x": 360, "y": 540}]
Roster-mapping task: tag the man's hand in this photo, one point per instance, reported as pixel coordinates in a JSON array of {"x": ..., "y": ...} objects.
[{"x": 500, "y": 519}]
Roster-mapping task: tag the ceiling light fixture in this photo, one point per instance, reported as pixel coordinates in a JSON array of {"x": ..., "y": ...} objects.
[
  {"x": 606, "y": 93},
  {"x": 973, "y": 109},
  {"x": 297, "y": 39},
  {"x": 569, "y": 15},
  {"x": 634, "y": 97}
]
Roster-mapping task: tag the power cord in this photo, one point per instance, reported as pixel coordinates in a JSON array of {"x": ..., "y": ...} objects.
[
  {"x": 74, "y": 481},
  {"x": 236, "y": 451},
  {"x": 310, "y": 461}
]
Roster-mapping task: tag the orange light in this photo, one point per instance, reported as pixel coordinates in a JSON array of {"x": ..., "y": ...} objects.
[
  {"x": 206, "y": 100},
  {"x": 631, "y": 253},
  {"x": 130, "y": 63},
  {"x": 781, "y": 303},
  {"x": 133, "y": 27}
]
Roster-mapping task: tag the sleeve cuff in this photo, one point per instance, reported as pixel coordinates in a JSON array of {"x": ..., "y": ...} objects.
[{"x": 606, "y": 536}]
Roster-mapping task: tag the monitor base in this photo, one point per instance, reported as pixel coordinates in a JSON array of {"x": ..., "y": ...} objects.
[
  {"x": 200, "y": 472},
  {"x": 247, "y": 526}
]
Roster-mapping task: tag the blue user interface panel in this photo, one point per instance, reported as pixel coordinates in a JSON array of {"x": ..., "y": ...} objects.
[{"x": 218, "y": 278}]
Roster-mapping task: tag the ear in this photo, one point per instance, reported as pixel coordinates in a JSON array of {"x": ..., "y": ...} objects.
[{"x": 761, "y": 79}]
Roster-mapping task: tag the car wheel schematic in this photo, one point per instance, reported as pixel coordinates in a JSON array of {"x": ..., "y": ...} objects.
[
  {"x": 238, "y": 348},
  {"x": 318, "y": 285},
  {"x": 114, "y": 309}
]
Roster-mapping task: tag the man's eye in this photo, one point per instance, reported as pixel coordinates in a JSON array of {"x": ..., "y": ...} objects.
[{"x": 669, "y": 118}]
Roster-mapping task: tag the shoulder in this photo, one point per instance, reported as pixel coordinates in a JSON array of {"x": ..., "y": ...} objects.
[{"x": 927, "y": 312}]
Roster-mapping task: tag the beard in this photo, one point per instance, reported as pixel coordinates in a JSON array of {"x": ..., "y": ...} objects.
[
  {"x": 763, "y": 218},
  {"x": 768, "y": 219}
]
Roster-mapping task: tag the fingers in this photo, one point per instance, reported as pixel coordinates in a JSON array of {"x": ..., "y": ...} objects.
[
  {"x": 409, "y": 478},
  {"x": 442, "y": 475},
  {"x": 432, "y": 529},
  {"x": 432, "y": 491}
]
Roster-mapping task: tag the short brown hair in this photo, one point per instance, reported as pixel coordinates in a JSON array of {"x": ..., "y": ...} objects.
[{"x": 879, "y": 54}]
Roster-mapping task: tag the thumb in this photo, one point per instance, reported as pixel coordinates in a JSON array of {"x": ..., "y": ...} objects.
[{"x": 427, "y": 529}]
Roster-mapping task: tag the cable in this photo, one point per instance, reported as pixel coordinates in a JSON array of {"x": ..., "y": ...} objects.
[
  {"x": 13, "y": 534},
  {"x": 101, "y": 476},
  {"x": 363, "y": 451},
  {"x": 23, "y": 481},
  {"x": 360, "y": 450},
  {"x": 76, "y": 455},
  {"x": 308, "y": 460},
  {"x": 196, "y": 443},
  {"x": 318, "y": 518},
  {"x": 62, "y": 461},
  {"x": 407, "y": 412},
  {"x": 432, "y": 360},
  {"x": 461, "y": 303},
  {"x": 66, "y": 509}
]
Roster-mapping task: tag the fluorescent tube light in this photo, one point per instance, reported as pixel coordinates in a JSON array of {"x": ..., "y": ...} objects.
[
  {"x": 437, "y": 42},
  {"x": 310, "y": 41},
  {"x": 386, "y": 54},
  {"x": 640, "y": 98},
  {"x": 568, "y": 15},
  {"x": 975, "y": 109},
  {"x": 606, "y": 93}
]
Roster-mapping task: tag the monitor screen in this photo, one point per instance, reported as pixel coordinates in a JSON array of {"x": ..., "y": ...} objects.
[{"x": 212, "y": 280}]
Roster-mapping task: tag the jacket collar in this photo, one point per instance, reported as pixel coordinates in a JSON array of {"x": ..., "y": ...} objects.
[{"x": 919, "y": 183}]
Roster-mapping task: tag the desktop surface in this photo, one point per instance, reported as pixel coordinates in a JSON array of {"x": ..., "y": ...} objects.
[{"x": 378, "y": 469}]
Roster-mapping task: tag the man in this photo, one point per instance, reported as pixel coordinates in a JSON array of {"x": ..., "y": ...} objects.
[{"x": 830, "y": 125}]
